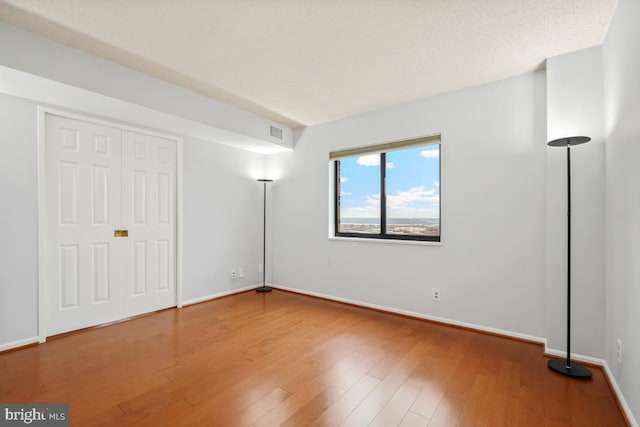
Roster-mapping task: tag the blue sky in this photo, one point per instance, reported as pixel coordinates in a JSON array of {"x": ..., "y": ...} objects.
[{"x": 413, "y": 186}]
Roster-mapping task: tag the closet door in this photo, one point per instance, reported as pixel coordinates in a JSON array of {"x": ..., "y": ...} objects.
[
  {"x": 83, "y": 181},
  {"x": 111, "y": 223},
  {"x": 149, "y": 213}
]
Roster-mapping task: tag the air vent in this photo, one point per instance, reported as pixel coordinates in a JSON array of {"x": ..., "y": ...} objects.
[{"x": 275, "y": 132}]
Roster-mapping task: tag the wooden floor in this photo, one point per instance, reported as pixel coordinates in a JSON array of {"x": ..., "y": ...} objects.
[{"x": 286, "y": 359}]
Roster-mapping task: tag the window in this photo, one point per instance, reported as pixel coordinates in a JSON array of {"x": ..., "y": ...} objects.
[{"x": 388, "y": 191}]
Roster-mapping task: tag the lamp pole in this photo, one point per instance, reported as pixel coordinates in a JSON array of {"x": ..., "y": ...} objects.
[{"x": 264, "y": 287}]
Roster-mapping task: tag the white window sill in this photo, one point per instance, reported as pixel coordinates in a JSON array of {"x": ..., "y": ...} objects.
[{"x": 386, "y": 241}]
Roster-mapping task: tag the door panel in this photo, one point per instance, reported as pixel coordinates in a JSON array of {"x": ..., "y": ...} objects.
[
  {"x": 164, "y": 261},
  {"x": 101, "y": 268},
  {"x": 68, "y": 176},
  {"x": 100, "y": 195},
  {"x": 69, "y": 280}
]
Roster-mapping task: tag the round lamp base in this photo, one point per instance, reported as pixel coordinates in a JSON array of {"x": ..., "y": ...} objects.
[{"x": 573, "y": 370}]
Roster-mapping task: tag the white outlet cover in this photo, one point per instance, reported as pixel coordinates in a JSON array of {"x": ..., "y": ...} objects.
[{"x": 619, "y": 350}]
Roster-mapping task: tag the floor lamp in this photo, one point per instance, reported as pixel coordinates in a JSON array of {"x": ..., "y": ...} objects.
[
  {"x": 264, "y": 287},
  {"x": 567, "y": 367}
]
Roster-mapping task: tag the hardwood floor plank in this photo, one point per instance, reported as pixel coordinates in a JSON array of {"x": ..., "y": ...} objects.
[
  {"x": 373, "y": 403},
  {"x": 396, "y": 409},
  {"x": 428, "y": 399},
  {"x": 350, "y": 400},
  {"x": 306, "y": 389},
  {"x": 262, "y": 406},
  {"x": 292, "y": 360},
  {"x": 306, "y": 415},
  {"x": 353, "y": 375},
  {"x": 477, "y": 410},
  {"x": 412, "y": 419}
]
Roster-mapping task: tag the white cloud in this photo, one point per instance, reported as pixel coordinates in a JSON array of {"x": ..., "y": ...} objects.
[
  {"x": 414, "y": 213},
  {"x": 369, "y": 160},
  {"x": 373, "y": 200},
  {"x": 343, "y": 179},
  {"x": 403, "y": 199},
  {"x": 430, "y": 154},
  {"x": 345, "y": 193},
  {"x": 372, "y": 160},
  {"x": 371, "y": 210},
  {"x": 436, "y": 183},
  {"x": 416, "y": 202}
]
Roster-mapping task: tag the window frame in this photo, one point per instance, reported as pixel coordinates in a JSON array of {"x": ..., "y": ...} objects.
[{"x": 383, "y": 235}]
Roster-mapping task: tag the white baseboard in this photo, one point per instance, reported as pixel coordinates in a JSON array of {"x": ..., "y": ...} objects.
[
  {"x": 618, "y": 392},
  {"x": 577, "y": 357},
  {"x": 417, "y": 315},
  {"x": 19, "y": 343},
  {"x": 219, "y": 295}
]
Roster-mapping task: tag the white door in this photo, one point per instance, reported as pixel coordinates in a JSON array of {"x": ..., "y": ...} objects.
[
  {"x": 149, "y": 188},
  {"x": 97, "y": 183}
]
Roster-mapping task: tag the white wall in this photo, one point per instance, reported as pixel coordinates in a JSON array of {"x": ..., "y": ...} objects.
[
  {"x": 621, "y": 54},
  {"x": 575, "y": 107},
  {"x": 222, "y": 207},
  {"x": 19, "y": 219},
  {"x": 491, "y": 265},
  {"x": 223, "y": 218}
]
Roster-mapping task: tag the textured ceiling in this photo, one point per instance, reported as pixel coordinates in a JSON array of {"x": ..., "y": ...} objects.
[{"x": 303, "y": 62}]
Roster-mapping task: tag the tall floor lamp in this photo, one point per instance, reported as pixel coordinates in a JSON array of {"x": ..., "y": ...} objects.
[
  {"x": 264, "y": 287},
  {"x": 567, "y": 367}
]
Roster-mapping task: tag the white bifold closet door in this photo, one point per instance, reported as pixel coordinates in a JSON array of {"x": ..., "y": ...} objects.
[{"x": 111, "y": 207}]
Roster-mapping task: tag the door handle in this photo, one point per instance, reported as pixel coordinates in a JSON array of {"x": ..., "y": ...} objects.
[{"x": 120, "y": 233}]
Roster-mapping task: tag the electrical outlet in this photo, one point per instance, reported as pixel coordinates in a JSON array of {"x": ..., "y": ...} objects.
[
  {"x": 619, "y": 350},
  {"x": 259, "y": 268},
  {"x": 234, "y": 274},
  {"x": 435, "y": 294},
  {"x": 241, "y": 272}
]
